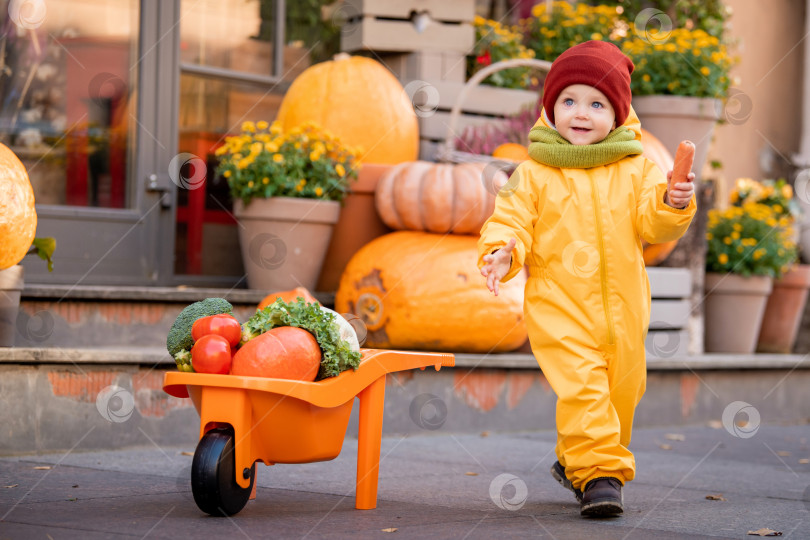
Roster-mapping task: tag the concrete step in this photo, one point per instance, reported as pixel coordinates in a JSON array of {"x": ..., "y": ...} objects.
[{"x": 57, "y": 399}]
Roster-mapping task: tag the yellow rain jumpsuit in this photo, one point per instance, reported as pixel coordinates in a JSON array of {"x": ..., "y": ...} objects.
[{"x": 587, "y": 299}]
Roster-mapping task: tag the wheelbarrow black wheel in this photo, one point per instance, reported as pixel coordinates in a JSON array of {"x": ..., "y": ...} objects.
[{"x": 213, "y": 480}]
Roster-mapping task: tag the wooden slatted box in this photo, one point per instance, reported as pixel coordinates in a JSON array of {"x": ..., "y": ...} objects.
[{"x": 668, "y": 334}]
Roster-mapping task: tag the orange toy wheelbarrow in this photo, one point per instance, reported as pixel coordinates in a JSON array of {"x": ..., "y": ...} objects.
[{"x": 249, "y": 419}]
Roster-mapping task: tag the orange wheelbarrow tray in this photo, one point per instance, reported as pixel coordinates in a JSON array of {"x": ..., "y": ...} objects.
[{"x": 249, "y": 419}]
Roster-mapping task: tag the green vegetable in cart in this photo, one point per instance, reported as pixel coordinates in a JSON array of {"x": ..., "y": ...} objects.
[
  {"x": 183, "y": 361},
  {"x": 179, "y": 338}
]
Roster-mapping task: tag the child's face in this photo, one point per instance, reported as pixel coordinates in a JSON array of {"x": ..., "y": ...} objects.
[{"x": 583, "y": 114}]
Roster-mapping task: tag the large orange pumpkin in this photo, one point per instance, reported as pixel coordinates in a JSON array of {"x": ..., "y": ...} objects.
[
  {"x": 439, "y": 198},
  {"x": 361, "y": 102},
  {"x": 656, "y": 152},
  {"x": 417, "y": 290},
  {"x": 18, "y": 218}
]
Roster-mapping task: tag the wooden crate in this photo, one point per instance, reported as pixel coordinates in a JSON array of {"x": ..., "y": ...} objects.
[
  {"x": 426, "y": 65},
  {"x": 669, "y": 334},
  {"x": 408, "y": 26},
  {"x": 446, "y": 10},
  {"x": 483, "y": 105}
]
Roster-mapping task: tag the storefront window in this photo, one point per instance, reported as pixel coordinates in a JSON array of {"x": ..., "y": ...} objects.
[
  {"x": 238, "y": 37},
  {"x": 67, "y": 109}
]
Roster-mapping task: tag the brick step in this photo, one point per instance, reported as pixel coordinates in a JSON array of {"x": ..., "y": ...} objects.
[{"x": 97, "y": 316}]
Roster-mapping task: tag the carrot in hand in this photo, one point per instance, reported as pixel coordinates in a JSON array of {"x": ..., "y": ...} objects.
[{"x": 684, "y": 159}]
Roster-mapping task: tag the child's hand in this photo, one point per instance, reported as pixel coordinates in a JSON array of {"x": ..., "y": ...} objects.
[
  {"x": 679, "y": 194},
  {"x": 498, "y": 265}
]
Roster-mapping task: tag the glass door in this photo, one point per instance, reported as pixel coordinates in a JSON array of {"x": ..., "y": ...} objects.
[
  {"x": 73, "y": 112},
  {"x": 237, "y": 59}
]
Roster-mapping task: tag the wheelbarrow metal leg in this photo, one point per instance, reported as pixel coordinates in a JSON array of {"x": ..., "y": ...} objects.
[{"x": 369, "y": 438}]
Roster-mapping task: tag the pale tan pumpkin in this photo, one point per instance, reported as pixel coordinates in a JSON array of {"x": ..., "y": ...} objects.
[
  {"x": 417, "y": 290},
  {"x": 440, "y": 198},
  {"x": 18, "y": 218},
  {"x": 656, "y": 152},
  {"x": 359, "y": 101}
]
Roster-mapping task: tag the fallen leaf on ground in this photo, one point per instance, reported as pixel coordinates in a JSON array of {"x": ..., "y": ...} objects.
[
  {"x": 186, "y": 453},
  {"x": 804, "y": 460},
  {"x": 783, "y": 453},
  {"x": 675, "y": 437},
  {"x": 390, "y": 529},
  {"x": 470, "y": 473},
  {"x": 665, "y": 446},
  {"x": 765, "y": 532},
  {"x": 42, "y": 468},
  {"x": 716, "y": 497},
  {"x": 716, "y": 424},
  {"x": 11, "y": 486},
  {"x": 485, "y": 433}
]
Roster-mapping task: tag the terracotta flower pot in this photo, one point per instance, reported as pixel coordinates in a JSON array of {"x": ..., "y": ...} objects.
[
  {"x": 673, "y": 119},
  {"x": 11, "y": 285},
  {"x": 358, "y": 225},
  {"x": 284, "y": 240},
  {"x": 734, "y": 307},
  {"x": 783, "y": 313}
]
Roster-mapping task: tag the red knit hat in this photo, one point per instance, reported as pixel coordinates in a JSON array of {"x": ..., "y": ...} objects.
[{"x": 596, "y": 63}]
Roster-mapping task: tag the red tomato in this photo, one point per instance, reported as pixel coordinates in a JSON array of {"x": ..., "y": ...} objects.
[
  {"x": 211, "y": 354},
  {"x": 222, "y": 325}
]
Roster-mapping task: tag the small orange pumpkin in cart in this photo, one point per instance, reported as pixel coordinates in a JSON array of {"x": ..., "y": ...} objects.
[
  {"x": 287, "y": 296},
  {"x": 285, "y": 352}
]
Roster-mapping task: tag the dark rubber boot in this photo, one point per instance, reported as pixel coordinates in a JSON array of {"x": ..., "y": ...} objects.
[
  {"x": 558, "y": 472},
  {"x": 602, "y": 498}
]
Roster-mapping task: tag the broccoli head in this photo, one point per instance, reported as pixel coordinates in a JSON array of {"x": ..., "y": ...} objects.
[{"x": 179, "y": 337}]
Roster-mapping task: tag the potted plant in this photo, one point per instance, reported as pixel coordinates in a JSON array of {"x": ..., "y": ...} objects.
[
  {"x": 287, "y": 188},
  {"x": 11, "y": 286},
  {"x": 783, "y": 312},
  {"x": 748, "y": 246}
]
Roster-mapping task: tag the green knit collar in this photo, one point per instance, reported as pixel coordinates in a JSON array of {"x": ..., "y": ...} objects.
[{"x": 547, "y": 146}]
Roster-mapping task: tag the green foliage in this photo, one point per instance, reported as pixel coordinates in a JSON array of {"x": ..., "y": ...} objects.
[
  {"x": 752, "y": 239},
  {"x": 678, "y": 47},
  {"x": 681, "y": 62},
  {"x": 44, "y": 248},
  {"x": 777, "y": 194},
  {"x": 337, "y": 353},
  {"x": 708, "y": 15},
  {"x": 495, "y": 42},
  {"x": 305, "y": 162},
  {"x": 555, "y": 27},
  {"x": 179, "y": 337},
  {"x": 303, "y": 23}
]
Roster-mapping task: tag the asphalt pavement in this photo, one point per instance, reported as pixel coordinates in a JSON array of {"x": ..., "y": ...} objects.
[{"x": 692, "y": 482}]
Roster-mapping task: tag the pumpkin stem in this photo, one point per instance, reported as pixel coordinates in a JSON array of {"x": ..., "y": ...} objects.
[{"x": 341, "y": 56}]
